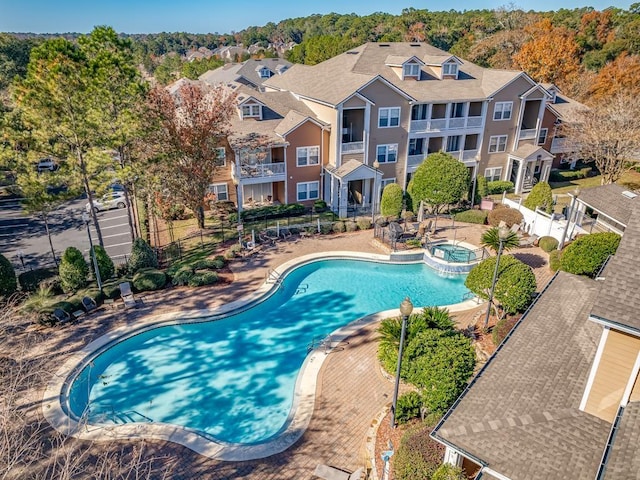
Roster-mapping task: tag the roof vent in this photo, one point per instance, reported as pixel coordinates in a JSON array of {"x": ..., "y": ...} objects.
[
  {"x": 629, "y": 194},
  {"x": 383, "y": 45},
  {"x": 352, "y": 52}
]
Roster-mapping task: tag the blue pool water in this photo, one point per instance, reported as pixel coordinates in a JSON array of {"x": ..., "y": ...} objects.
[{"x": 234, "y": 378}]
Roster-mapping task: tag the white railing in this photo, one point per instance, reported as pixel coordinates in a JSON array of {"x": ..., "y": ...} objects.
[
  {"x": 474, "y": 122},
  {"x": 528, "y": 134},
  {"x": 415, "y": 160},
  {"x": 464, "y": 155},
  {"x": 261, "y": 170},
  {"x": 457, "y": 122},
  {"x": 439, "y": 124},
  {"x": 353, "y": 147},
  {"x": 560, "y": 145}
]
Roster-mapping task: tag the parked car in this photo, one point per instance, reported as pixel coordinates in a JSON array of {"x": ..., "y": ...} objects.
[
  {"x": 47, "y": 164},
  {"x": 108, "y": 201}
]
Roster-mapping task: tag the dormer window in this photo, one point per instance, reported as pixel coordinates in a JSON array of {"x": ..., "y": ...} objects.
[
  {"x": 411, "y": 70},
  {"x": 265, "y": 72},
  {"x": 450, "y": 70},
  {"x": 252, "y": 111}
]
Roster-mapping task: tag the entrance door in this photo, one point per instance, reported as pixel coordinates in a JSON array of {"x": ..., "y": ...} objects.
[
  {"x": 513, "y": 175},
  {"x": 355, "y": 192}
]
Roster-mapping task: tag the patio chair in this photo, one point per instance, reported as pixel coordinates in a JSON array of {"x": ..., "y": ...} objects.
[
  {"x": 529, "y": 241},
  {"x": 89, "y": 304},
  {"x": 127, "y": 295},
  {"x": 61, "y": 316},
  {"x": 332, "y": 473}
]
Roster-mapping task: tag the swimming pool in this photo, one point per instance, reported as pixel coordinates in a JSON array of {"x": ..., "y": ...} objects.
[{"x": 233, "y": 379}]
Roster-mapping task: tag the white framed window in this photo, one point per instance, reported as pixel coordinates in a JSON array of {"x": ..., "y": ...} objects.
[
  {"x": 411, "y": 70},
  {"x": 306, "y": 156},
  {"x": 308, "y": 191},
  {"x": 265, "y": 72},
  {"x": 450, "y": 69},
  {"x": 222, "y": 156},
  {"x": 497, "y": 143},
  {"x": 542, "y": 138},
  {"x": 219, "y": 192},
  {"x": 493, "y": 174},
  {"x": 251, "y": 111},
  {"x": 389, "y": 117},
  {"x": 502, "y": 110},
  {"x": 387, "y": 153}
]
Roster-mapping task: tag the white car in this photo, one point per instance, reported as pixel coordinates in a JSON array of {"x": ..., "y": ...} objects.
[
  {"x": 108, "y": 201},
  {"x": 46, "y": 164}
]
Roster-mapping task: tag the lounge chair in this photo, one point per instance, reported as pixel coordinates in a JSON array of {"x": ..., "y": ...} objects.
[
  {"x": 331, "y": 473},
  {"x": 89, "y": 304},
  {"x": 127, "y": 295},
  {"x": 61, "y": 316},
  {"x": 529, "y": 241}
]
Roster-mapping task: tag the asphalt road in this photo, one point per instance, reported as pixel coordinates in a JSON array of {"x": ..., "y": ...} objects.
[{"x": 23, "y": 238}]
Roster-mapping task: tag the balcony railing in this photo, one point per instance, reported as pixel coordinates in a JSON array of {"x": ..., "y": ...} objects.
[
  {"x": 261, "y": 170},
  {"x": 560, "y": 145},
  {"x": 415, "y": 160},
  {"x": 464, "y": 155},
  {"x": 528, "y": 134},
  {"x": 353, "y": 147},
  {"x": 440, "y": 124}
]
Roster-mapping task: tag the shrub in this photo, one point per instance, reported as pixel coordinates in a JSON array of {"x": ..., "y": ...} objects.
[
  {"x": 142, "y": 256},
  {"x": 586, "y": 255},
  {"x": 501, "y": 329},
  {"x": 339, "y": 227},
  {"x": 204, "y": 264},
  {"x": 510, "y": 216},
  {"x": 408, "y": 407},
  {"x": 231, "y": 252},
  {"x": 482, "y": 188},
  {"x": 413, "y": 243},
  {"x": 205, "y": 277},
  {"x": 111, "y": 289},
  {"x": 548, "y": 244},
  {"x": 320, "y": 205},
  {"x": 364, "y": 224},
  {"x": 73, "y": 270},
  {"x": 182, "y": 276},
  {"x": 350, "y": 226},
  {"x": 418, "y": 456},
  {"x": 498, "y": 187},
  {"x": 540, "y": 197},
  {"x": 31, "y": 280},
  {"x": 568, "y": 175},
  {"x": 149, "y": 279},
  {"x": 270, "y": 211},
  {"x": 8, "y": 282},
  {"x": 105, "y": 264},
  {"x": 472, "y": 216},
  {"x": 391, "y": 202},
  {"x": 446, "y": 471},
  {"x": 554, "y": 260},
  {"x": 325, "y": 228}
]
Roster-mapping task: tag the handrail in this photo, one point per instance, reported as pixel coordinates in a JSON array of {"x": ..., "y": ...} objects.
[{"x": 273, "y": 277}]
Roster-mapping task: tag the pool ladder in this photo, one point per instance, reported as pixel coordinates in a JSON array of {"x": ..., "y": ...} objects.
[
  {"x": 320, "y": 342},
  {"x": 273, "y": 277}
]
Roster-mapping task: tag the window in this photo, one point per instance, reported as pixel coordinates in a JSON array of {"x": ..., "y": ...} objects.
[
  {"x": 389, "y": 117},
  {"x": 251, "y": 111},
  {"x": 416, "y": 146},
  {"x": 450, "y": 69},
  {"x": 386, "y": 181},
  {"x": 453, "y": 143},
  {"x": 308, "y": 191},
  {"x": 493, "y": 174},
  {"x": 265, "y": 72},
  {"x": 542, "y": 138},
  {"x": 498, "y": 143},
  {"x": 457, "y": 110},
  {"x": 420, "y": 111},
  {"x": 387, "y": 153},
  {"x": 306, "y": 156},
  {"x": 219, "y": 192},
  {"x": 502, "y": 110},
  {"x": 222, "y": 156},
  {"x": 411, "y": 70}
]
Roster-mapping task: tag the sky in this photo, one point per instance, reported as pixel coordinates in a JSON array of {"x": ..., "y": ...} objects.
[{"x": 221, "y": 16}]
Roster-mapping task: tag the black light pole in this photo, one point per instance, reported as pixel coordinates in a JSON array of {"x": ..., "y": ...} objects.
[
  {"x": 92, "y": 252},
  {"x": 570, "y": 212},
  {"x": 503, "y": 233},
  {"x": 406, "y": 307},
  {"x": 374, "y": 193}
]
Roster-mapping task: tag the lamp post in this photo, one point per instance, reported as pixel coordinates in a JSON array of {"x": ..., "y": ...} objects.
[
  {"x": 406, "y": 307},
  {"x": 570, "y": 212},
  {"x": 376, "y": 165},
  {"x": 21, "y": 258},
  {"x": 92, "y": 252},
  {"x": 503, "y": 233}
]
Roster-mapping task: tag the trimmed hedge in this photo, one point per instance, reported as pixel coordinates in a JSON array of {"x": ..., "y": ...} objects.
[
  {"x": 568, "y": 175},
  {"x": 554, "y": 260},
  {"x": 8, "y": 282},
  {"x": 73, "y": 270},
  {"x": 548, "y": 244},
  {"x": 339, "y": 227},
  {"x": 498, "y": 187},
  {"x": 391, "y": 202},
  {"x": 540, "y": 197},
  {"x": 142, "y": 256},
  {"x": 149, "y": 279},
  {"x": 350, "y": 226},
  {"x": 510, "y": 216},
  {"x": 472, "y": 216},
  {"x": 105, "y": 264},
  {"x": 586, "y": 255},
  {"x": 363, "y": 224},
  {"x": 269, "y": 211}
]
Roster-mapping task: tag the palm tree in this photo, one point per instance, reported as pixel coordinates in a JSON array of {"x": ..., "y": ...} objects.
[{"x": 491, "y": 239}]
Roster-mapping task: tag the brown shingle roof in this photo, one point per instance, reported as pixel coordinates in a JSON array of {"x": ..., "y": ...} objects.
[
  {"x": 521, "y": 415},
  {"x": 624, "y": 459}
]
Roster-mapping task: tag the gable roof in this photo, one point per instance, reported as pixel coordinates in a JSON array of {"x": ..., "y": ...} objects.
[
  {"x": 528, "y": 151},
  {"x": 609, "y": 201},
  {"x": 247, "y": 72},
  {"x": 521, "y": 416}
]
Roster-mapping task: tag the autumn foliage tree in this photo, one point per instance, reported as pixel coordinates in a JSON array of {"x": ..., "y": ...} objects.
[
  {"x": 618, "y": 76},
  {"x": 190, "y": 125}
]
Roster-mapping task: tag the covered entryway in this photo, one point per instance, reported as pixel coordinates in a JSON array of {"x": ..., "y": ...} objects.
[
  {"x": 529, "y": 165},
  {"x": 353, "y": 184}
]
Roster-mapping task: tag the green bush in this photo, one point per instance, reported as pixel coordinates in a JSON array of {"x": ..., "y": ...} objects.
[
  {"x": 182, "y": 276},
  {"x": 8, "y": 282},
  {"x": 413, "y": 243},
  {"x": 325, "y": 228},
  {"x": 446, "y": 471},
  {"x": 418, "y": 456},
  {"x": 320, "y": 205},
  {"x": 391, "y": 202},
  {"x": 204, "y": 264},
  {"x": 587, "y": 254},
  {"x": 501, "y": 329},
  {"x": 408, "y": 407},
  {"x": 548, "y": 244},
  {"x": 30, "y": 281},
  {"x": 482, "y": 188},
  {"x": 149, "y": 279},
  {"x": 105, "y": 264},
  {"x": 350, "y": 226},
  {"x": 142, "y": 256},
  {"x": 497, "y": 187},
  {"x": 472, "y": 216},
  {"x": 112, "y": 289},
  {"x": 510, "y": 216},
  {"x": 270, "y": 211},
  {"x": 540, "y": 197},
  {"x": 73, "y": 270},
  {"x": 339, "y": 227},
  {"x": 363, "y": 224},
  {"x": 554, "y": 260},
  {"x": 568, "y": 175},
  {"x": 204, "y": 277}
]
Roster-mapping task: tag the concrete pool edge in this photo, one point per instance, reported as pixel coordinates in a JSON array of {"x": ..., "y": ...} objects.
[{"x": 54, "y": 399}]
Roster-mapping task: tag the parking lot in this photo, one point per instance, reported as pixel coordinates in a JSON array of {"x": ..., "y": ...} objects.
[{"x": 24, "y": 241}]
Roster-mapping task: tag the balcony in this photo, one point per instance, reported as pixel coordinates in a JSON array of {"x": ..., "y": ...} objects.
[
  {"x": 353, "y": 147},
  {"x": 468, "y": 157},
  {"x": 440, "y": 124},
  {"x": 528, "y": 134},
  {"x": 260, "y": 171},
  {"x": 414, "y": 160},
  {"x": 560, "y": 145}
]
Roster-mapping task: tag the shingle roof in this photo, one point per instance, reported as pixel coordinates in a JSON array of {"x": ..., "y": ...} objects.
[
  {"x": 619, "y": 299},
  {"x": 249, "y": 70},
  {"x": 337, "y": 78},
  {"x": 608, "y": 199},
  {"x": 624, "y": 459},
  {"x": 521, "y": 415}
]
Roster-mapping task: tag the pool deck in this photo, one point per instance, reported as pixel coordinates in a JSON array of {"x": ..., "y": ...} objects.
[{"x": 351, "y": 391}]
